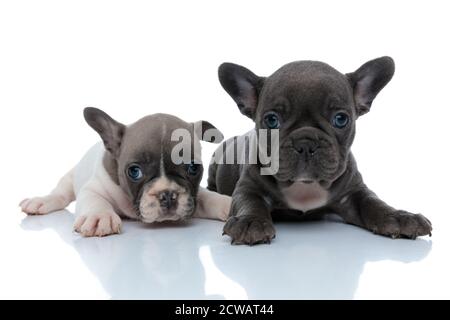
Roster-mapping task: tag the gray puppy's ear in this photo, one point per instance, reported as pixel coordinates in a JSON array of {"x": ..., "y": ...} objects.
[
  {"x": 368, "y": 81},
  {"x": 205, "y": 131},
  {"x": 109, "y": 129},
  {"x": 242, "y": 85}
]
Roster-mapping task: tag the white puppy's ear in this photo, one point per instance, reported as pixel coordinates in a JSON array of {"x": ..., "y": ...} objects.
[
  {"x": 368, "y": 81},
  {"x": 109, "y": 129},
  {"x": 205, "y": 131}
]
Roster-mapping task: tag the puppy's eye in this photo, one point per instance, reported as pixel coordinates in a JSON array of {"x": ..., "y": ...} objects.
[
  {"x": 271, "y": 120},
  {"x": 193, "y": 168},
  {"x": 135, "y": 172},
  {"x": 340, "y": 120}
]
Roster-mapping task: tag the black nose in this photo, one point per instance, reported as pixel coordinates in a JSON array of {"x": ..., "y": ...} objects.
[
  {"x": 305, "y": 147},
  {"x": 168, "y": 199}
]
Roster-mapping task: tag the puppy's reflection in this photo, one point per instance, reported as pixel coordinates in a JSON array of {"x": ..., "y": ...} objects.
[
  {"x": 308, "y": 260},
  {"x": 144, "y": 262},
  {"x": 315, "y": 259}
]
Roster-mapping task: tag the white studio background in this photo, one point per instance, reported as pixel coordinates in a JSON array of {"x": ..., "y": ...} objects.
[{"x": 133, "y": 58}]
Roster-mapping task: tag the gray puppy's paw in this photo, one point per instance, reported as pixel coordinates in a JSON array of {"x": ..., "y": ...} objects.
[
  {"x": 249, "y": 230},
  {"x": 403, "y": 224}
]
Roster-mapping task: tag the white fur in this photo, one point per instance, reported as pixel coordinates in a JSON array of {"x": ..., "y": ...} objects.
[
  {"x": 305, "y": 197},
  {"x": 212, "y": 205},
  {"x": 343, "y": 200},
  {"x": 150, "y": 208}
]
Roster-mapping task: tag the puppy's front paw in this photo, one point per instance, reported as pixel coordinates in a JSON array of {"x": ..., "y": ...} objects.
[
  {"x": 403, "y": 224},
  {"x": 249, "y": 230},
  {"x": 98, "y": 224},
  {"x": 43, "y": 205}
]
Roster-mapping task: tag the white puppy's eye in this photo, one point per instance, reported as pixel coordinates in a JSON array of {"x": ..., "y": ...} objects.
[
  {"x": 135, "y": 172},
  {"x": 193, "y": 168}
]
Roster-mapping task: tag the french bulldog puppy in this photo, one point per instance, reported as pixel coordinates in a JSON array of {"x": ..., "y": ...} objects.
[
  {"x": 132, "y": 175},
  {"x": 313, "y": 108}
]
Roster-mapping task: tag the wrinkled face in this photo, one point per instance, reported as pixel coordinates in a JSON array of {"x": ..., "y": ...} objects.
[
  {"x": 160, "y": 189},
  {"x": 315, "y": 115},
  {"x": 156, "y": 161},
  {"x": 313, "y": 106}
]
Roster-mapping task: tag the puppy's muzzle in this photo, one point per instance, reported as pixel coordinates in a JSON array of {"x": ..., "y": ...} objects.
[
  {"x": 310, "y": 143},
  {"x": 309, "y": 155},
  {"x": 168, "y": 199},
  {"x": 164, "y": 199},
  {"x": 306, "y": 148}
]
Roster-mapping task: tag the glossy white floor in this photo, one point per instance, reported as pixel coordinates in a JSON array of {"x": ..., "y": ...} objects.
[
  {"x": 42, "y": 258},
  {"x": 57, "y": 57}
]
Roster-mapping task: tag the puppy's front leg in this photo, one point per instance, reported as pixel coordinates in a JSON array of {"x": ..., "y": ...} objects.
[
  {"x": 96, "y": 216},
  {"x": 212, "y": 205},
  {"x": 58, "y": 199},
  {"x": 250, "y": 221},
  {"x": 363, "y": 208}
]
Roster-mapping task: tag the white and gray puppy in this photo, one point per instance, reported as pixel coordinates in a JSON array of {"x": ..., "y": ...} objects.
[{"x": 132, "y": 175}]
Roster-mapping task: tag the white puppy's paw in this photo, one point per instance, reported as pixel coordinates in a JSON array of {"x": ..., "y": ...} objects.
[
  {"x": 222, "y": 207},
  {"x": 43, "y": 205},
  {"x": 98, "y": 224}
]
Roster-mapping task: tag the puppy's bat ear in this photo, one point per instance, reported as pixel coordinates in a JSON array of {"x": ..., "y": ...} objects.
[
  {"x": 242, "y": 85},
  {"x": 109, "y": 129},
  {"x": 205, "y": 131},
  {"x": 368, "y": 81}
]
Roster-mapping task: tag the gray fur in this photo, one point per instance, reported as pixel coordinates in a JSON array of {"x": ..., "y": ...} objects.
[{"x": 306, "y": 95}]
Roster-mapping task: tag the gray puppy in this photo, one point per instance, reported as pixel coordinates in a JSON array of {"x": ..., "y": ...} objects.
[
  {"x": 132, "y": 174},
  {"x": 314, "y": 107}
]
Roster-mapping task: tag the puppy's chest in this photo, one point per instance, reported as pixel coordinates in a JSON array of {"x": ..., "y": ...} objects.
[{"x": 305, "y": 197}]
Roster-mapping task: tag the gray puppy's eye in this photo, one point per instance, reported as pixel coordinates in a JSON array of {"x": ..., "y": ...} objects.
[
  {"x": 271, "y": 120},
  {"x": 340, "y": 120},
  {"x": 134, "y": 172}
]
